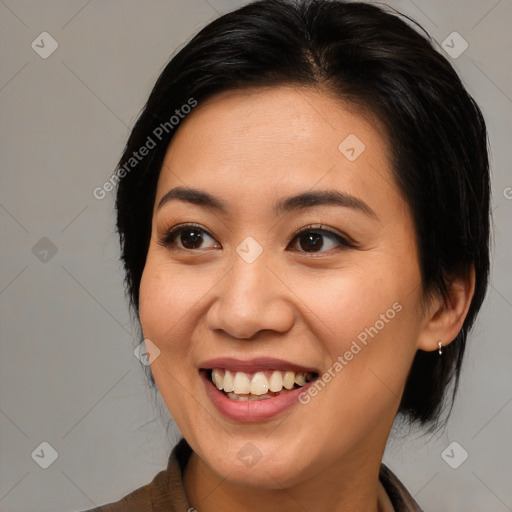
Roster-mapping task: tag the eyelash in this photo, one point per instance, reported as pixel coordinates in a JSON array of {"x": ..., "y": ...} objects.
[
  {"x": 320, "y": 230},
  {"x": 168, "y": 240}
]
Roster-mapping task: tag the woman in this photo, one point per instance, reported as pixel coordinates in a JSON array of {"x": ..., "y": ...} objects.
[{"x": 303, "y": 208}]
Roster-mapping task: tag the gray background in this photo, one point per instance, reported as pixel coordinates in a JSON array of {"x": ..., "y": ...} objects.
[{"x": 67, "y": 369}]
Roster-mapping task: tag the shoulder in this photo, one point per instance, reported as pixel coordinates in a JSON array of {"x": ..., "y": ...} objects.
[
  {"x": 140, "y": 500},
  {"x": 164, "y": 493},
  {"x": 400, "y": 497}
]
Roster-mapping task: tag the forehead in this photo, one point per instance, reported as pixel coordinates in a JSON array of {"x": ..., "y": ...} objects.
[{"x": 250, "y": 144}]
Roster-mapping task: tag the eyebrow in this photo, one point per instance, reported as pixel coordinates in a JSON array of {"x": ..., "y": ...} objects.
[
  {"x": 194, "y": 196},
  {"x": 297, "y": 202}
]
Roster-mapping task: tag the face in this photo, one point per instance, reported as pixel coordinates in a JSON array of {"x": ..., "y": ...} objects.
[{"x": 281, "y": 244}]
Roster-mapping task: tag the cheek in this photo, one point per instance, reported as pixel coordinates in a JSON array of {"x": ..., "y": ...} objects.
[
  {"x": 370, "y": 318},
  {"x": 165, "y": 307},
  {"x": 346, "y": 303}
]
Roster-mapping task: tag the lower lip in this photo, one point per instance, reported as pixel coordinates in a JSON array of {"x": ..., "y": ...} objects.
[{"x": 250, "y": 411}]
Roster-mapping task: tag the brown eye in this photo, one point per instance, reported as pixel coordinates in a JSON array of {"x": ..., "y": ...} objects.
[
  {"x": 318, "y": 240},
  {"x": 311, "y": 242},
  {"x": 189, "y": 238}
]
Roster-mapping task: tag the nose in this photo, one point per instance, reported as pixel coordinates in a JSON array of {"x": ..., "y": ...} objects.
[{"x": 251, "y": 298}]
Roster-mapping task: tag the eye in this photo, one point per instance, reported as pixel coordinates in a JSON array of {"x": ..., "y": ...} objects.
[
  {"x": 188, "y": 237},
  {"x": 317, "y": 239}
]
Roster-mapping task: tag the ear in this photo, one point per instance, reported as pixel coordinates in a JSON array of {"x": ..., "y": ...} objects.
[{"x": 445, "y": 316}]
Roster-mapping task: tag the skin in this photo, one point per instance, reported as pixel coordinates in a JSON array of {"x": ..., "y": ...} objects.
[{"x": 251, "y": 149}]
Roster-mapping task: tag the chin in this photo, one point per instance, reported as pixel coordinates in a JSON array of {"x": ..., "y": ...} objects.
[{"x": 268, "y": 468}]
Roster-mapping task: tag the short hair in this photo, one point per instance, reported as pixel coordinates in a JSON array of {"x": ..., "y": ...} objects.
[{"x": 371, "y": 57}]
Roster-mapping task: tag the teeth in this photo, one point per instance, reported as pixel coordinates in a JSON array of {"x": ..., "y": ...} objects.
[
  {"x": 289, "y": 380},
  {"x": 228, "y": 382},
  {"x": 276, "y": 382},
  {"x": 217, "y": 378},
  {"x": 300, "y": 379},
  {"x": 240, "y": 384},
  {"x": 248, "y": 398},
  {"x": 259, "y": 384}
]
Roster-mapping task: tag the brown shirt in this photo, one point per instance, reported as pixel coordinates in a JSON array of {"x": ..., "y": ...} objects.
[{"x": 166, "y": 493}]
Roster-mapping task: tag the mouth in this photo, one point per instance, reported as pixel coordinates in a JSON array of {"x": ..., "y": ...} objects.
[
  {"x": 256, "y": 390},
  {"x": 259, "y": 385}
]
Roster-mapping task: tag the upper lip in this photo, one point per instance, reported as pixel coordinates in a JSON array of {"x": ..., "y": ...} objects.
[{"x": 254, "y": 365}]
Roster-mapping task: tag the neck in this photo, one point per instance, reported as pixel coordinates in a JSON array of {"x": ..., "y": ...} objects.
[{"x": 348, "y": 487}]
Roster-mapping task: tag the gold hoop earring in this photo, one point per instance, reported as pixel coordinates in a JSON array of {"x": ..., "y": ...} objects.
[{"x": 440, "y": 349}]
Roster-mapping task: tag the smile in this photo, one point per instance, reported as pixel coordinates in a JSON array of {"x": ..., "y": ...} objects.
[
  {"x": 255, "y": 390},
  {"x": 261, "y": 385}
]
